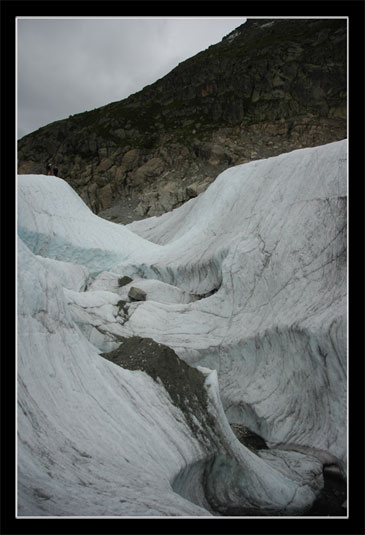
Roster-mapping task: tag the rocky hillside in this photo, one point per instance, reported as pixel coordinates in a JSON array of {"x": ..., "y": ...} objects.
[{"x": 268, "y": 87}]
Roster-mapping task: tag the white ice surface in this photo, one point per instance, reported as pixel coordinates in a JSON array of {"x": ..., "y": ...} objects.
[
  {"x": 269, "y": 238},
  {"x": 54, "y": 222},
  {"x": 276, "y": 329}
]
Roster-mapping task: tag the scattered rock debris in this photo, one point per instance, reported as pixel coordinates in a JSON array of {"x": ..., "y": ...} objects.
[
  {"x": 184, "y": 383},
  {"x": 248, "y": 438}
]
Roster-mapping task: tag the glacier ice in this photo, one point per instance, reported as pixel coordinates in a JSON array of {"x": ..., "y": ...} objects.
[{"x": 246, "y": 283}]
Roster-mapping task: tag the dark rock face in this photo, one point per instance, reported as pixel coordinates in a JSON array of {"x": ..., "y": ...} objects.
[{"x": 270, "y": 86}]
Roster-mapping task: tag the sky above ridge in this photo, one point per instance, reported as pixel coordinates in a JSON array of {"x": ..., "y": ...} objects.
[{"x": 68, "y": 65}]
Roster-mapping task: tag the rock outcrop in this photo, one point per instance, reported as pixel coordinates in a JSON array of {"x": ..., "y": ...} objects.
[{"x": 269, "y": 87}]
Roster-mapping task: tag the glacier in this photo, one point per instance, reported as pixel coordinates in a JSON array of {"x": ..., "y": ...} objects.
[{"x": 244, "y": 322}]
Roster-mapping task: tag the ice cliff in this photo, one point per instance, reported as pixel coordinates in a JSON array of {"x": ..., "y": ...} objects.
[{"x": 242, "y": 320}]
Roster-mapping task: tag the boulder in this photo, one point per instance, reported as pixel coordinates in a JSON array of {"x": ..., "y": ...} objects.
[
  {"x": 135, "y": 294},
  {"x": 131, "y": 159},
  {"x": 105, "y": 196},
  {"x": 151, "y": 169},
  {"x": 122, "y": 281}
]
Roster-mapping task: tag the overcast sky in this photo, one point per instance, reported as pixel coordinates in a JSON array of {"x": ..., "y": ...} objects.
[{"x": 67, "y": 66}]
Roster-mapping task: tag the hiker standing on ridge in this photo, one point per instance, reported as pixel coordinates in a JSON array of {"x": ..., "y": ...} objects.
[
  {"x": 48, "y": 169},
  {"x": 55, "y": 171}
]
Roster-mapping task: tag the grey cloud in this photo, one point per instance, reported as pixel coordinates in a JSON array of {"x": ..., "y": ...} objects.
[{"x": 67, "y": 66}]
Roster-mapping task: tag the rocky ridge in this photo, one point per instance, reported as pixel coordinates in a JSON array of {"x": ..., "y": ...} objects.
[{"x": 269, "y": 87}]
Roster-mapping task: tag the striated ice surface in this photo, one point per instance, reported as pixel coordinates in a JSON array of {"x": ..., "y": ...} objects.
[{"x": 247, "y": 284}]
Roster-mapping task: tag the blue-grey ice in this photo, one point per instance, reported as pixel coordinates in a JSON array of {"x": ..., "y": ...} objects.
[{"x": 247, "y": 283}]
